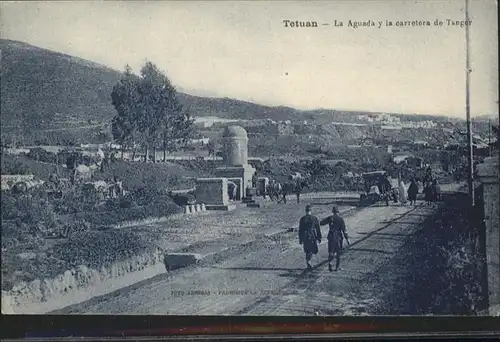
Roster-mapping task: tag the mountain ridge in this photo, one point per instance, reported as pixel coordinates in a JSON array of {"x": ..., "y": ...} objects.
[{"x": 45, "y": 90}]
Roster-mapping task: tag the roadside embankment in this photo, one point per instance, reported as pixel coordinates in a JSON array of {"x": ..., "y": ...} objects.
[
  {"x": 79, "y": 284},
  {"x": 438, "y": 271}
]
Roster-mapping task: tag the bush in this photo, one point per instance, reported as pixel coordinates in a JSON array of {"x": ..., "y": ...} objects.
[
  {"x": 10, "y": 207},
  {"x": 42, "y": 155},
  {"x": 120, "y": 203},
  {"x": 12, "y": 165},
  {"x": 77, "y": 226}
]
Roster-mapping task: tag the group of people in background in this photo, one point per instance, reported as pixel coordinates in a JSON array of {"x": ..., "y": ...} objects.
[{"x": 431, "y": 189}]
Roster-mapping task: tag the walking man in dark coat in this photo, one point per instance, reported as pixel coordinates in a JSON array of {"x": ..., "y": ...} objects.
[
  {"x": 309, "y": 235},
  {"x": 428, "y": 193},
  {"x": 336, "y": 234},
  {"x": 412, "y": 192}
]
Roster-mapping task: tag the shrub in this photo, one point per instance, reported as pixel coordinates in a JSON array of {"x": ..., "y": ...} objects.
[
  {"x": 16, "y": 164},
  {"x": 126, "y": 202},
  {"x": 69, "y": 229},
  {"x": 13, "y": 166},
  {"x": 10, "y": 207},
  {"x": 42, "y": 155}
]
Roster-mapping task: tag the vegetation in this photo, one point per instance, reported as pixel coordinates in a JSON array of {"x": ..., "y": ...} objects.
[
  {"x": 446, "y": 251},
  {"x": 72, "y": 229},
  {"x": 23, "y": 165},
  {"x": 148, "y": 112},
  {"x": 80, "y": 228}
]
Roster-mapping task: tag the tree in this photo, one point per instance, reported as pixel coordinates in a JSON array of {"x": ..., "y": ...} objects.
[
  {"x": 149, "y": 112},
  {"x": 125, "y": 99},
  {"x": 174, "y": 123},
  {"x": 177, "y": 128}
]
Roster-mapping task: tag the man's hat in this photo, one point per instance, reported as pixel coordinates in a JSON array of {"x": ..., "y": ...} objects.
[
  {"x": 335, "y": 209},
  {"x": 308, "y": 207}
]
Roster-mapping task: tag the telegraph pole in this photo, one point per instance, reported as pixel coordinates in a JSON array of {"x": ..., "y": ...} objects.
[
  {"x": 489, "y": 137},
  {"x": 467, "y": 108}
]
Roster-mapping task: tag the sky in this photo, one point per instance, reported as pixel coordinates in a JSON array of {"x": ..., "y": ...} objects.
[{"x": 242, "y": 49}]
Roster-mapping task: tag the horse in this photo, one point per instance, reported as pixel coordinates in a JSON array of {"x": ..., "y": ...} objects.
[
  {"x": 292, "y": 187},
  {"x": 274, "y": 190}
]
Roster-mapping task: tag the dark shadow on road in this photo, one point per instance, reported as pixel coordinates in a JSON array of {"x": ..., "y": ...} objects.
[
  {"x": 260, "y": 269},
  {"x": 417, "y": 215},
  {"x": 303, "y": 274},
  {"x": 399, "y": 222},
  {"x": 371, "y": 250},
  {"x": 387, "y": 234},
  {"x": 398, "y": 238}
]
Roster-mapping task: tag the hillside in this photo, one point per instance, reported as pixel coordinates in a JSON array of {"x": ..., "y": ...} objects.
[
  {"x": 49, "y": 97},
  {"x": 42, "y": 90}
]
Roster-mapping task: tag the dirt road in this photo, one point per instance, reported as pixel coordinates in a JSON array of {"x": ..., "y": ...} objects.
[{"x": 269, "y": 278}]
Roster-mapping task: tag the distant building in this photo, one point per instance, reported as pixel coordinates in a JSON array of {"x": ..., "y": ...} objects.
[
  {"x": 401, "y": 157},
  {"x": 422, "y": 143},
  {"x": 204, "y": 124}
]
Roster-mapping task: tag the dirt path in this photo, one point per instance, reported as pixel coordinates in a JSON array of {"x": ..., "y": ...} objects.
[{"x": 232, "y": 227}]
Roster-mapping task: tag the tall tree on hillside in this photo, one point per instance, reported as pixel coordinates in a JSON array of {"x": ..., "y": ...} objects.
[
  {"x": 165, "y": 122},
  {"x": 177, "y": 129},
  {"x": 148, "y": 111},
  {"x": 125, "y": 98}
]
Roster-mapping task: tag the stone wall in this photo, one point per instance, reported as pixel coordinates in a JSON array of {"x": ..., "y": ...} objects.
[{"x": 80, "y": 284}]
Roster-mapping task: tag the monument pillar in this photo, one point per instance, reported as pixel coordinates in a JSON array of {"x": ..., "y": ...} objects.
[
  {"x": 235, "y": 151},
  {"x": 488, "y": 175}
]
